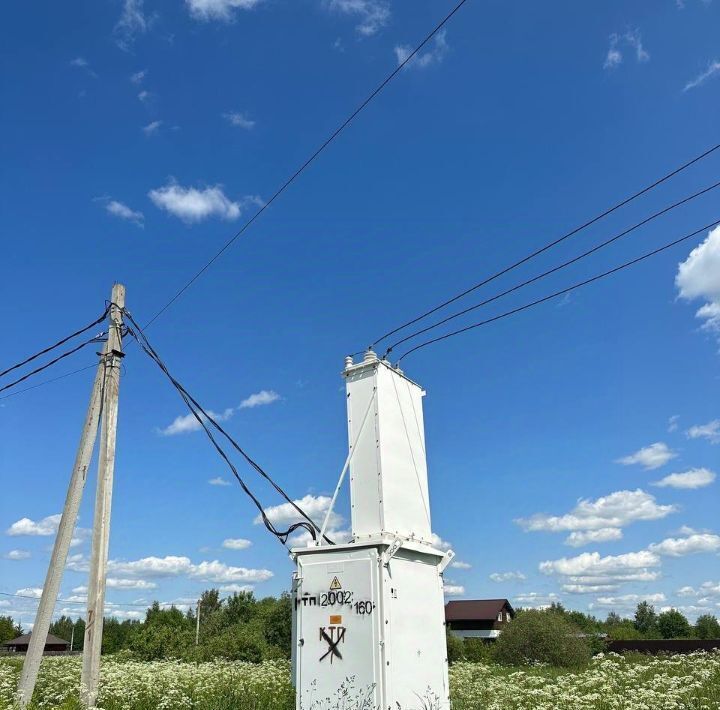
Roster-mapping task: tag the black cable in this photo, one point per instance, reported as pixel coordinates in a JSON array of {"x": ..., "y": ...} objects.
[
  {"x": 553, "y": 270},
  {"x": 202, "y": 417},
  {"x": 311, "y": 159},
  {"x": 550, "y": 245},
  {"x": 95, "y": 339},
  {"x": 560, "y": 293},
  {"x": 47, "y": 382},
  {"x": 56, "y": 345}
]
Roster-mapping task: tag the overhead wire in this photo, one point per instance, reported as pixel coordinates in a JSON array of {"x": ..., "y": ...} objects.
[
  {"x": 537, "y": 302},
  {"x": 48, "y": 349},
  {"x": 72, "y": 351},
  {"x": 83, "y": 603},
  {"x": 311, "y": 159},
  {"x": 549, "y": 245},
  {"x": 553, "y": 270},
  {"x": 203, "y": 417}
]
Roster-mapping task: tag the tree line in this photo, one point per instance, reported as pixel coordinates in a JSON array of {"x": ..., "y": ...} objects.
[{"x": 241, "y": 627}]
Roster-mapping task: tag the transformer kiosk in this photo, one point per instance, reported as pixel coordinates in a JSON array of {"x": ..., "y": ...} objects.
[{"x": 368, "y": 619}]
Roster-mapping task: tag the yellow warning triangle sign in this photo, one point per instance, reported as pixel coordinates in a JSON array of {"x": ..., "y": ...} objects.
[{"x": 335, "y": 585}]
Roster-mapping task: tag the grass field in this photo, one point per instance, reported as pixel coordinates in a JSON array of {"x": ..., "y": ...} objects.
[{"x": 609, "y": 683}]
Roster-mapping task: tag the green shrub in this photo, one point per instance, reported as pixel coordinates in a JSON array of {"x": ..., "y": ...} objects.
[
  {"x": 477, "y": 650},
  {"x": 537, "y": 636},
  {"x": 455, "y": 648}
]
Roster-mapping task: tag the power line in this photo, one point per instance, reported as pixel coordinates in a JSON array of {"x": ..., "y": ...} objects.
[
  {"x": 550, "y": 245},
  {"x": 561, "y": 292},
  {"x": 202, "y": 417},
  {"x": 70, "y": 352},
  {"x": 310, "y": 160},
  {"x": 564, "y": 265},
  {"x": 56, "y": 345},
  {"x": 82, "y": 603},
  {"x": 287, "y": 182},
  {"x": 47, "y": 382}
]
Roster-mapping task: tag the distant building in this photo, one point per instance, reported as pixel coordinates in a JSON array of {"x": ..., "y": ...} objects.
[
  {"x": 478, "y": 618},
  {"x": 53, "y": 644}
]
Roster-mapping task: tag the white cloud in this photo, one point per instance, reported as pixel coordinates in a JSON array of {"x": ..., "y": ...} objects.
[
  {"x": 236, "y": 543},
  {"x": 626, "y": 600},
  {"x": 591, "y": 568},
  {"x": 459, "y": 564},
  {"x": 193, "y": 205},
  {"x": 138, "y": 77},
  {"x": 372, "y": 15},
  {"x": 35, "y": 592},
  {"x": 694, "y": 478},
  {"x": 219, "y": 481},
  {"x": 614, "y": 56},
  {"x": 17, "y": 555},
  {"x": 152, "y": 128},
  {"x": 45, "y": 527},
  {"x": 453, "y": 590},
  {"x": 588, "y": 588},
  {"x": 187, "y": 423},
  {"x": 132, "y": 22},
  {"x": 236, "y": 588},
  {"x": 649, "y": 457},
  {"x": 144, "y": 95},
  {"x": 712, "y": 70},
  {"x": 673, "y": 423},
  {"x": 587, "y": 537},
  {"x": 681, "y": 546},
  {"x": 536, "y": 600},
  {"x": 709, "y": 431},
  {"x": 82, "y": 589},
  {"x": 239, "y": 119},
  {"x": 315, "y": 507},
  {"x": 259, "y": 399},
  {"x": 178, "y": 566},
  {"x": 429, "y": 57},
  {"x": 698, "y": 277},
  {"x": 218, "y": 9},
  {"x": 507, "y": 577},
  {"x": 119, "y": 583},
  {"x": 601, "y": 519},
  {"x": 81, "y": 63},
  {"x": 439, "y": 543},
  {"x": 632, "y": 39},
  {"x": 118, "y": 209}
]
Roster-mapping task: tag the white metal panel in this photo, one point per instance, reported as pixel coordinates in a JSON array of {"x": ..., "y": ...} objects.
[
  {"x": 337, "y": 627},
  {"x": 417, "y": 673},
  {"x": 388, "y": 472},
  {"x": 365, "y": 492},
  {"x": 402, "y": 455}
]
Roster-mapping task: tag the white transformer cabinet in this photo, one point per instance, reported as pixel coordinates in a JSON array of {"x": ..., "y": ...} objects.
[{"x": 369, "y": 622}]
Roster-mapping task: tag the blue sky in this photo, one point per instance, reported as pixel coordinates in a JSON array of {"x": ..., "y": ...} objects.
[{"x": 137, "y": 137}]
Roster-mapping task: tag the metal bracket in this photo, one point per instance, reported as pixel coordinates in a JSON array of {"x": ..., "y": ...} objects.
[
  {"x": 391, "y": 551},
  {"x": 445, "y": 561}
]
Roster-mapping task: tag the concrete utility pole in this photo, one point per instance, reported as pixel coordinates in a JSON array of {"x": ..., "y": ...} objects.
[
  {"x": 197, "y": 625},
  {"x": 90, "y": 677},
  {"x": 51, "y": 588}
]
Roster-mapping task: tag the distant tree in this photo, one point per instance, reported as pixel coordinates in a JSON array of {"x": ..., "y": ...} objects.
[
  {"x": 672, "y": 624},
  {"x": 9, "y": 629},
  {"x": 79, "y": 640},
  {"x": 542, "y": 636},
  {"x": 278, "y": 625},
  {"x": 455, "y": 648},
  {"x": 239, "y": 607},
  {"x": 623, "y": 630},
  {"x": 63, "y": 628},
  {"x": 707, "y": 627},
  {"x": 645, "y": 618},
  {"x": 210, "y": 601},
  {"x": 613, "y": 618}
]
